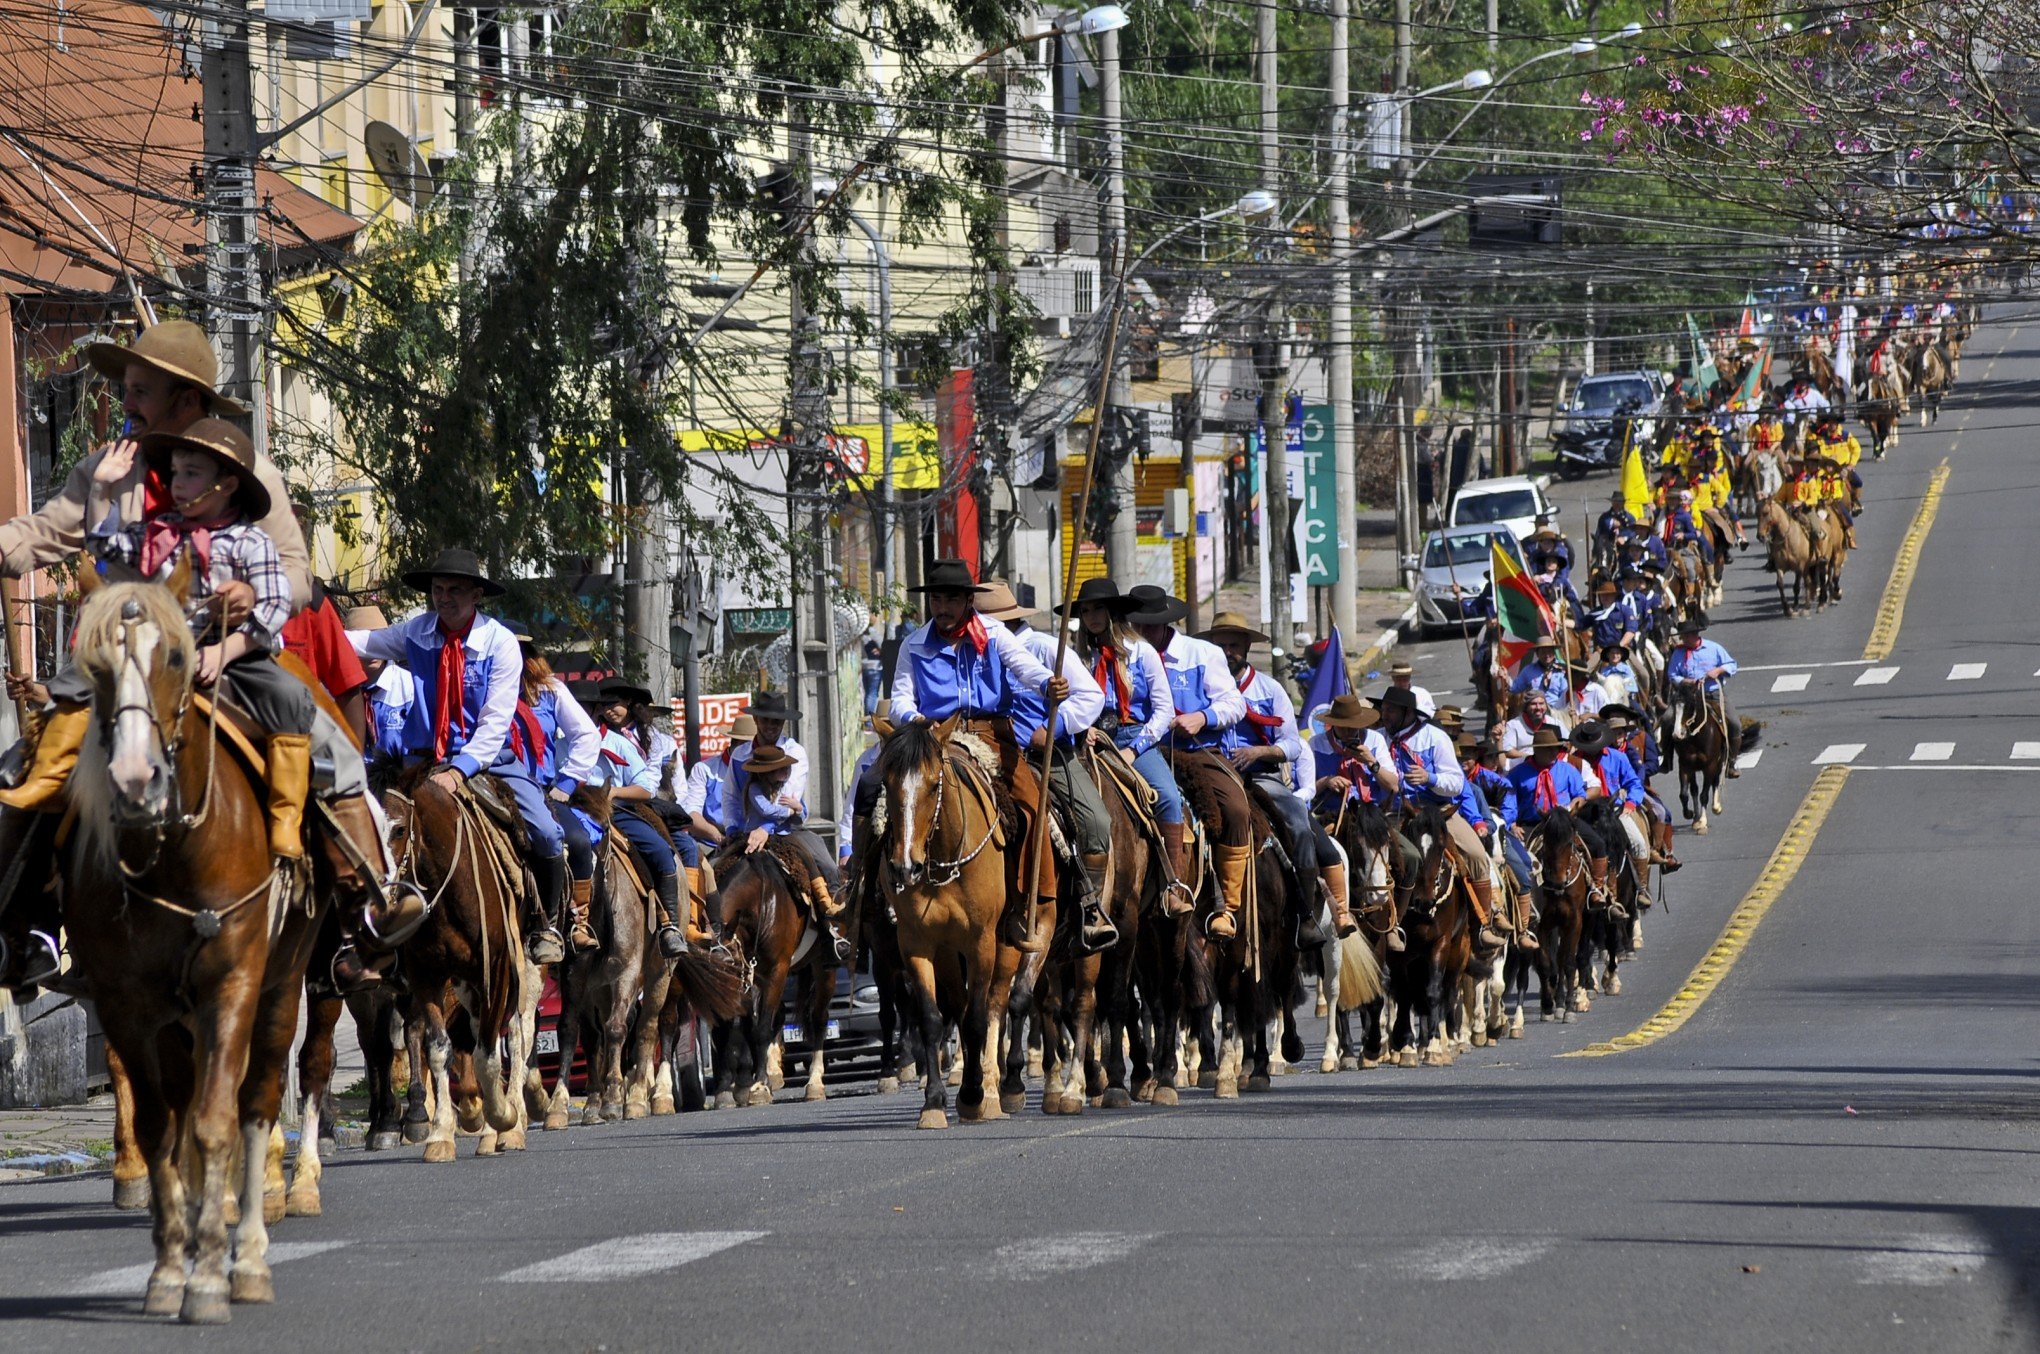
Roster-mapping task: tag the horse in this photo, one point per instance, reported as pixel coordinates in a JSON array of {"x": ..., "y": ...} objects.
[
  {"x": 1437, "y": 923},
  {"x": 1929, "y": 373},
  {"x": 192, "y": 942},
  {"x": 1254, "y": 975},
  {"x": 1883, "y": 403},
  {"x": 1565, "y": 879},
  {"x": 950, "y": 865},
  {"x": 1352, "y": 971},
  {"x": 1604, "y": 937},
  {"x": 765, "y": 923},
  {"x": 1789, "y": 551},
  {"x": 1688, "y": 578},
  {"x": 1703, "y": 744}
]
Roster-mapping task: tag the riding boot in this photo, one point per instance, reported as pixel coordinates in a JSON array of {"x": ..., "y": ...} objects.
[
  {"x": 290, "y": 780},
  {"x": 697, "y": 929},
  {"x": 543, "y": 945},
  {"x": 29, "y": 918},
  {"x": 56, "y": 753},
  {"x": 1661, "y": 851},
  {"x": 1334, "y": 877},
  {"x": 1526, "y": 932},
  {"x": 1178, "y": 894},
  {"x": 1597, "y": 867},
  {"x": 351, "y": 972},
  {"x": 1486, "y": 938},
  {"x": 1099, "y": 932},
  {"x": 581, "y": 938},
  {"x": 1232, "y": 864},
  {"x": 828, "y": 909},
  {"x": 672, "y": 944}
]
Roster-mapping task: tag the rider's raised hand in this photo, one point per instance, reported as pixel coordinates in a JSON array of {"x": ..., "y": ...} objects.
[{"x": 116, "y": 463}]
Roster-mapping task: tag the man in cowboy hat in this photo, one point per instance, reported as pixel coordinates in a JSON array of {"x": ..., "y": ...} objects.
[
  {"x": 1697, "y": 660},
  {"x": 621, "y": 767},
  {"x": 1607, "y": 772},
  {"x": 390, "y": 693},
  {"x": 1403, "y": 674},
  {"x": 1208, "y": 704},
  {"x": 1350, "y": 763},
  {"x": 469, "y": 669},
  {"x": 708, "y": 782},
  {"x": 1268, "y": 752},
  {"x": 1632, "y": 738},
  {"x": 1544, "y": 674},
  {"x": 1617, "y": 525},
  {"x": 1519, "y": 732},
  {"x": 764, "y": 814},
  {"x": 1483, "y": 772},
  {"x": 957, "y": 665},
  {"x": 773, "y": 717},
  {"x": 1545, "y": 781},
  {"x": 1070, "y": 786},
  {"x": 1430, "y": 775}
]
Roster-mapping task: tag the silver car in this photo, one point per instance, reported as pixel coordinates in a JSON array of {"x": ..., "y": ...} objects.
[{"x": 1452, "y": 573}]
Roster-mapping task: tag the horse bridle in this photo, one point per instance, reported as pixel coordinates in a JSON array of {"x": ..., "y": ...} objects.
[
  {"x": 169, "y": 742},
  {"x": 941, "y": 873}
]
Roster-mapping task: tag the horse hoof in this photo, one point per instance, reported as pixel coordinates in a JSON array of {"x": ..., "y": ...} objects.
[
  {"x": 638, "y": 1109},
  {"x": 777, "y": 1081},
  {"x": 1257, "y": 1082},
  {"x": 1368, "y": 1064},
  {"x": 386, "y": 1141},
  {"x": 273, "y": 1208},
  {"x": 933, "y": 1119},
  {"x": 1012, "y": 1103},
  {"x": 1328, "y": 1064},
  {"x": 132, "y": 1194},
  {"x": 1479, "y": 1039},
  {"x": 1407, "y": 1058},
  {"x": 1700, "y": 829},
  {"x": 888, "y": 1085},
  {"x": 591, "y": 1115},
  {"x": 467, "y": 1115},
  {"x": 1614, "y": 986},
  {"x": 165, "y": 1295},
  {"x": 909, "y": 1072},
  {"x": 725, "y": 1100},
  {"x": 1164, "y": 1097},
  {"x": 302, "y": 1203},
  {"x": 1444, "y": 1057},
  {"x": 1349, "y": 1063},
  {"x": 554, "y": 1121},
  {"x": 1033, "y": 1063},
  {"x": 439, "y": 1151},
  {"x": 1515, "y": 1031},
  {"x": 207, "y": 1306},
  {"x": 1292, "y": 1048},
  {"x": 761, "y": 1094},
  {"x": 1226, "y": 1089},
  {"x": 1582, "y": 1002},
  {"x": 251, "y": 1285},
  {"x": 1115, "y": 1098},
  {"x": 817, "y": 1091},
  {"x": 417, "y": 1131},
  {"x": 1207, "y": 1080},
  {"x": 511, "y": 1140},
  {"x": 662, "y": 1105},
  {"x": 612, "y": 1112}
]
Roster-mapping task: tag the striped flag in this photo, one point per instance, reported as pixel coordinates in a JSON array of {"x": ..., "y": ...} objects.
[{"x": 1521, "y": 613}]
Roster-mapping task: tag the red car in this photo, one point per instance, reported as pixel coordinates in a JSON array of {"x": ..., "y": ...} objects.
[{"x": 545, "y": 1052}]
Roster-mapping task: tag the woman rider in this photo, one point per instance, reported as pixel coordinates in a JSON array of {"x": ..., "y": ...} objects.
[
  {"x": 558, "y": 744},
  {"x": 1138, "y": 708}
]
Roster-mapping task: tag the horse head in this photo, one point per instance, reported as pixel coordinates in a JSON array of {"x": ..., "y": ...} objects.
[
  {"x": 912, "y": 768},
  {"x": 134, "y": 646}
]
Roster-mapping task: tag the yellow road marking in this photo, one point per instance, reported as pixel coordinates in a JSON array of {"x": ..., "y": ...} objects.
[
  {"x": 1891, "y": 608},
  {"x": 1742, "y": 923}
]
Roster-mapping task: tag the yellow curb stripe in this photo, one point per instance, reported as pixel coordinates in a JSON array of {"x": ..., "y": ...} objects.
[
  {"x": 1891, "y": 609},
  {"x": 1779, "y": 870}
]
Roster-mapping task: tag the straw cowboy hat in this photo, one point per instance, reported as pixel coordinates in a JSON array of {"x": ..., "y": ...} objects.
[
  {"x": 1546, "y": 739},
  {"x": 365, "y": 618},
  {"x": 227, "y": 445},
  {"x": 743, "y": 728},
  {"x": 1232, "y": 622},
  {"x": 177, "y": 348},
  {"x": 453, "y": 562},
  {"x": 996, "y": 602},
  {"x": 1349, "y": 712}
]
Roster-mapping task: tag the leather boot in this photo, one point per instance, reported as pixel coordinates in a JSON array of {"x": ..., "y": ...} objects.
[
  {"x": 671, "y": 943},
  {"x": 1099, "y": 932},
  {"x": 1661, "y": 856},
  {"x": 1232, "y": 862},
  {"x": 390, "y": 912},
  {"x": 1177, "y": 892},
  {"x": 697, "y": 929},
  {"x": 543, "y": 945},
  {"x": 1486, "y": 938},
  {"x": 826, "y": 905},
  {"x": 1526, "y": 933},
  {"x": 1334, "y": 877},
  {"x": 56, "y": 753},
  {"x": 1597, "y": 868},
  {"x": 581, "y": 937},
  {"x": 290, "y": 781}
]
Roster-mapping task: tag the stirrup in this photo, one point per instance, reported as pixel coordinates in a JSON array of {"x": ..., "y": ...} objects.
[
  {"x": 672, "y": 944},
  {"x": 1186, "y": 907},
  {"x": 545, "y": 946},
  {"x": 1099, "y": 932},
  {"x": 841, "y": 943}
]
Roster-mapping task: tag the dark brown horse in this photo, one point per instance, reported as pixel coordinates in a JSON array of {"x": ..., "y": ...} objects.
[
  {"x": 601, "y": 989},
  {"x": 1703, "y": 743},
  {"x": 772, "y": 934},
  {"x": 1437, "y": 922},
  {"x": 192, "y": 945},
  {"x": 1565, "y": 880}
]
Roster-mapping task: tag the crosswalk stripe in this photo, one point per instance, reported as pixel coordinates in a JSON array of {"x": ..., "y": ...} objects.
[
  {"x": 130, "y": 1280},
  {"x": 1838, "y": 753},
  {"x": 1749, "y": 759},
  {"x": 1923, "y": 1261},
  {"x": 1967, "y": 672},
  {"x": 2025, "y": 752},
  {"x": 629, "y": 1257},
  {"x": 1791, "y": 681},
  {"x": 1876, "y": 676},
  {"x": 1932, "y": 752},
  {"x": 1453, "y": 1259},
  {"x": 1043, "y": 1257}
]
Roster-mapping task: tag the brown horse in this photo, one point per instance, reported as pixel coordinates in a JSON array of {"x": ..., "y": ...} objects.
[
  {"x": 1437, "y": 922},
  {"x": 1883, "y": 403},
  {"x": 1565, "y": 881},
  {"x": 1790, "y": 551},
  {"x": 769, "y": 928},
  {"x": 1929, "y": 372},
  {"x": 1689, "y": 578},
  {"x": 602, "y": 987},
  {"x": 949, "y": 866},
  {"x": 192, "y": 944},
  {"x": 1703, "y": 744}
]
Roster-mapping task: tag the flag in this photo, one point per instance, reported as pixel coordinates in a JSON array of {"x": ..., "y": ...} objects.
[
  {"x": 1328, "y": 681},
  {"x": 1635, "y": 484},
  {"x": 1521, "y": 613},
  {"x": 1704, "y": 373},
  {"x": 1756, "y": 378}
]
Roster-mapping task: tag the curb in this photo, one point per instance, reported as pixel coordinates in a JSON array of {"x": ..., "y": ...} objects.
[{"x": 1384, "y": 643}]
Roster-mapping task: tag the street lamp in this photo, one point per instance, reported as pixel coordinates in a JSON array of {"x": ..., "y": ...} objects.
[{"x": 1488, "y": 82}]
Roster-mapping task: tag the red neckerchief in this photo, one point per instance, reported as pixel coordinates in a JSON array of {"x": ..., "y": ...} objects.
[
  {"x": 1110, "y": 674},
  {"x": 972, "y": 629},
  {"x": 1357, "y": 774},
  {"x": 1265, "y": 725},
  {"x": 527, "y": 736},
  {"x": 1547, "y": 791},
  {"x": 615, "y": 758},
  {"x": 447, "y": 709},
  {"x": 162, "y": 534},
  {"x": 155, "y": 494}
]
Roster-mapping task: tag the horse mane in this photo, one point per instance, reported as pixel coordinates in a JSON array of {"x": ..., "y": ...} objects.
[
  {"x": 908, "y": 748},
  {"x": 1558, "y": 828},
  {"x": 1425, "y": 820},
  {"x": 386, "y": 773},
  {"x": 1371, "y": 823}
]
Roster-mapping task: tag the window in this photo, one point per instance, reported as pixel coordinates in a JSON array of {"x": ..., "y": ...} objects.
[
  {"x": 1472, "y": 549},
  {"x": 1474, "y": 509},
  {"x": 333, "y": 183}
]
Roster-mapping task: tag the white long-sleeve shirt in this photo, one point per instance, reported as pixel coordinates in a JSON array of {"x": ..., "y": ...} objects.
[
  {"x": 1086, "y": 700},
  {"x": 577, "y": 742},
  {"x": 1201, "y": 680}
]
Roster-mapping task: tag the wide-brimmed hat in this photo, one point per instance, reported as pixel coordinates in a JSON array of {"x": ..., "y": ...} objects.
[
  {"x": 1547, "y": 640},
  {"x": 1618, "y": 497},
  {"x": 1398, "y": 698},
  {"x": 997, "y": 602},
  {"x": 1232, "y": 622},
  {"x": 1099, "y": 590},
  {"x": 1590, "y": 736},
  {"x": 616, "y": 689},
  {"x": 365, "y": 618},
  {"x": 772, "y": 705},
  {"x": 177, "y": 348},
  {"x": 228, "y": 446},
  {"x": 948, "y": 575},
  {"x": 1546, "y": 739},
  {"x": 1401, "y": 668},
  {"x": 453, "y": 562},
  {"x": 764, "y": 761},
  {"x": 1348, "y": 711},
  {"x": 1618, "y": 718},
  {"x": 1617, "y": 645},
  {"x": 587, "y": 691},
  {"x": 1466, "y": 740},
  {"x": 1147, "y": 604},
  {"x": 1691, "y": 624},
  {"x": 743, "y": 728},
  {"x": 1449, "y": 714}
]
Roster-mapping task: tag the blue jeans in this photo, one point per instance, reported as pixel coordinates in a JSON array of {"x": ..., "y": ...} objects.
[
  {"x": 1154, "y": 769},
  {"x": 652, "y": 848},
  {"x": 547, "y": 838},
  {"x": 580, "y": 842},
  {"x": 1517, "y": 857}
]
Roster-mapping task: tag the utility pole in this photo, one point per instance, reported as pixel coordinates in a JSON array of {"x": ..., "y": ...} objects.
[
  {"x": 1494, "y": 26},
  {"x": 235, "y": 299},
  {"x": 1345, "y": 482},
  {"x": 1273, "y": 355},
  {"x": 1407, "y": 536},
  {"x": 1122, "y": 540}
]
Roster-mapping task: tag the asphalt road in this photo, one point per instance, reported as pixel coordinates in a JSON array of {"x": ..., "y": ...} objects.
[{"x": 1834, "y": 1152}]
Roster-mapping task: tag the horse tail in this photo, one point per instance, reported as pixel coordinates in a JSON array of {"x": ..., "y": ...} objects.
[{"x": 1199, "y": 988}]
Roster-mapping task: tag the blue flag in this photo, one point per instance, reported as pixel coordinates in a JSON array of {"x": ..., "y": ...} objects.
[{"x": 1328, "y": 681}]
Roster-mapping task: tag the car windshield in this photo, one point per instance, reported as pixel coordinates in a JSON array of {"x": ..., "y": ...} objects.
[
  {"x": 1470, "y": 549},
  {"x": 1503, "y": 504},
  {"x": 1612, "y": 394}
]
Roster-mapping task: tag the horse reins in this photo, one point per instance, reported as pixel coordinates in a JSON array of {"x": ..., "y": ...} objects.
[{"x": 952, "y": 870}]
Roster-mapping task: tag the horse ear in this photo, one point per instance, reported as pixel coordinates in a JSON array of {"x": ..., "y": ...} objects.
[
  {"x": 179, "y": 581},
  {"x": 882, "y": 726},
  {"x": 943, "y": 730}
]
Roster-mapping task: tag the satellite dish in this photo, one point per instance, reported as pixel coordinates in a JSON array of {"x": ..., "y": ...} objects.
[{"x": 399, "y": 165}]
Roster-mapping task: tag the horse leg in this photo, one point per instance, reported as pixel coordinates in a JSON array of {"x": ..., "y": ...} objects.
[
  {"x": 1083, "y": 1018},
  {"x": 315, "y": 1074},
  {"x": 158, "y": 1089},
  {"x": 816, "y": 1027},
  {"x": 888, "y": 1024},
  {"x": 519, "y": 1037},
  {"x": 438, "y": 1054},
  {"x": 131, "y": 1170},
  {"x": 222, "y": 1049},
  {"x": 767, "y": 1020},
  {"x": 729, "y": 1052}
]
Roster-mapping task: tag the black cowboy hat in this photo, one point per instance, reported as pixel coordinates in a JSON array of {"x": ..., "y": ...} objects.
[
  {"x": 1618, "y": 646},
  {"x": 453, "y": 562},
  {"x": 1150, "y": 605},
  {"x": 1100, "y": 590},
  {"x": 1590, "y": 736},
  {"x": 1618, "y": 497},
  {"x": 948, "y": 575},
  {"x": 228, "y": 448},
  {"x": 1693, "y": 623},
  {"x": 616, "y": 689},
  {"x": 1398, "y": 698},
  {"x": 1651, "y": 566},
  {"x": 587, "y": 691},
  {"x": 1615, "y": 710},
  {"x": 772, "y": 705}
]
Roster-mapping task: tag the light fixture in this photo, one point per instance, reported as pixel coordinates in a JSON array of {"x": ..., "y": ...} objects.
[
  {"x": 1260, "y": 202},
  {"x": 1581, "y": 46},
  {"x": 1101, "y": 19},
  {"x": 1477, "y": 79}
]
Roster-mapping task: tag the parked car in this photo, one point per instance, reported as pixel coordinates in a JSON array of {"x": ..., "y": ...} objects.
[
  {"x": 851, "y": 1045},
  {"x": 1513, "y": 501},
  {"x": 691, "y": 1059},
  {"x": 1591, "y": 438},
  {"x": 1452, "y": 571}
]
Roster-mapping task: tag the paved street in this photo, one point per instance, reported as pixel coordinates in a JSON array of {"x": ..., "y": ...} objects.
[{"x": 1834, "y": 1152}]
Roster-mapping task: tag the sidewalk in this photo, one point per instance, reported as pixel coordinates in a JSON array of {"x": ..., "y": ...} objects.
[{"x": 1381, "y": 602}]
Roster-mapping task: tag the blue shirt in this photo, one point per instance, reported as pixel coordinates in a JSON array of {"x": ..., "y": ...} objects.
[
  {"x": 1619, "y": 778},
  {"x": 1265, "y": 697},
  {"x": 934, "y": 678},
  {"x": 1565, "y": 779},
  {"x": 1683, "y": 662},
  {"x": 490, "y": 678},
  {"x": 1200, "y": 682},
  {"x": 390, "y": 698},
  {"x": 1552, "y": 681},
  {"x": 1496, "y": 792}
]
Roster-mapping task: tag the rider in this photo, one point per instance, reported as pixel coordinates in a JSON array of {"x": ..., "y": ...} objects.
[
  {"x": 391, "y": 691},
  {"x": 621, "y": 767},
  {"x": 1208, "y": 704},
  {"x": 957, "y": 665},
  {"x": 1499, "y": 795},
  {"x": 1544, "y": 673},
  {"x": 559, "y": 746},
  {"x": 1546, "y": 781},
  {"x": 1071, "y": 787},
  {"x": 1633, "y": 741},
  {"x": 1548, "y": 572},
  {"x": 1519, "y": 733},
  {"x": 1592, "y": 742},
  {"x": 625, "y": 710},
  {"x": 1695, "y": 659},
  {"x": 1617, "y": 525},
  {"x": 1430, "y": 775},
  {"x": 468, "y": 669},
  {"x": 1350, "y": 761},
  {"x": 1402, "y": 674},
  {"x": 1546, "y": 537},
  {"x": 764, "y": 813},
  {"x": 773, "y": 717},
  {"x": 1680, "y": 525},
  {"x": 708, "y": 785},
  {"x": 1268, "y": 751},
  {"x": 1136, "y": 715}
]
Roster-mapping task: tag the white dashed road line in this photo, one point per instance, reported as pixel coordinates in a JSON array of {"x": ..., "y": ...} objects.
[
  {"x": 131, "y": 1280},
  {"x": 1044, "y": 1257},
  {"x": 629, "y": 1257},
  {"x": 1791, "y": 681},
  {"x": 1923, "y": 1261},
  {"x": 1876, "y": 676},
  {"x": 1839, "y": 754},
  {"x": 1455, "y": 1259},
  {"x": 2025, "y": 752},
  {"x": 1967, "y": 672},
  {"x": 1749, "y": 759},
  {"x": 1932, "y": 752}
]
